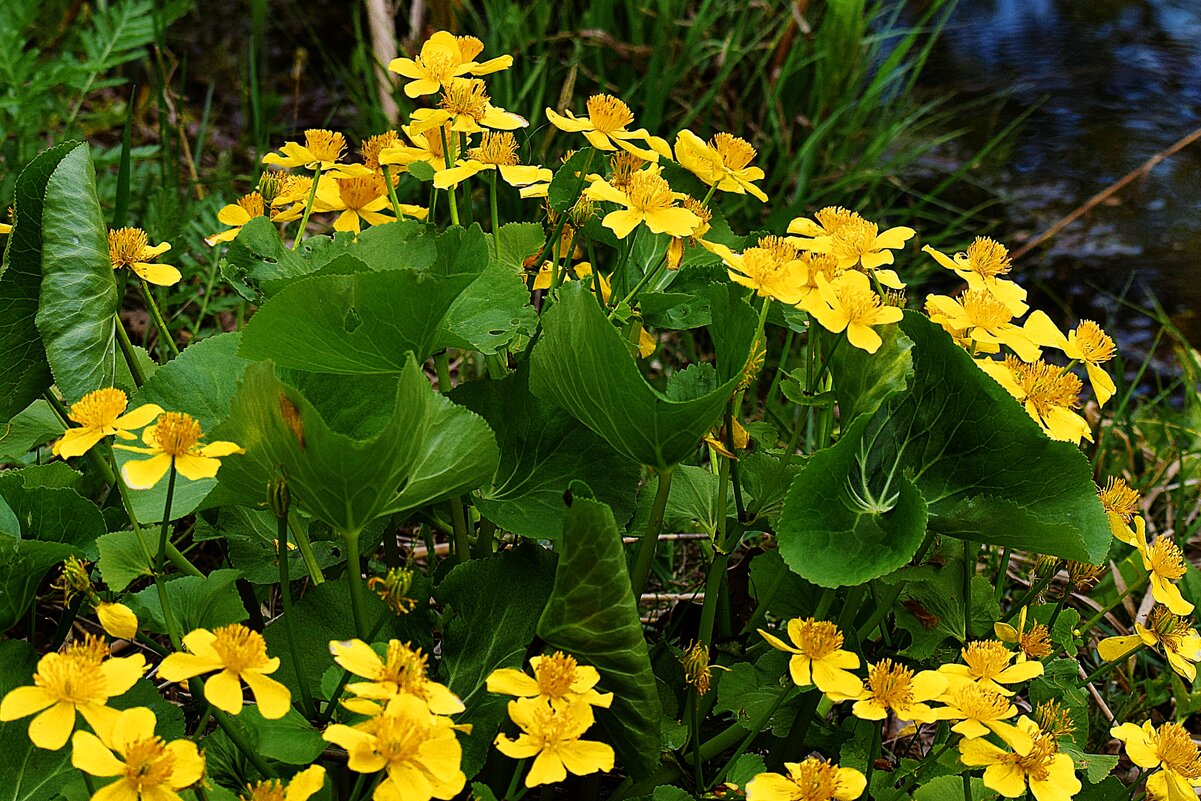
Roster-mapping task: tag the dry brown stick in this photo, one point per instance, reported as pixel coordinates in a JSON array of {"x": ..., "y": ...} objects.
[
  {"x": 381, "y": 19},
  {"x": 1106, "y": 193}
]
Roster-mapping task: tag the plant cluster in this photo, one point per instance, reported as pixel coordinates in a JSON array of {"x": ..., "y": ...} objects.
[{"x": 354, "y": 562}]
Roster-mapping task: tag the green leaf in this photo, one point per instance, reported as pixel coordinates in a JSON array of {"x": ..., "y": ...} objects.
[
  {"x": 491, "y": 607},
  {"x": 24, "y": 371},
  {"x": 1107, "y": 790},
  {"x": 78, "y": 298},
  {"x": 23, "y": 564},
  {"x": 52, "y": 514},
  {"x": 407, "y": 244},
  {"x": 950, "y": 788},
  {"x": 932, "y": 602},
  {"x": 489, "y": 313},
  {"x": 766, "y": 479},
  {"x": 581, "y": 363},
  {"x": 122, "y": 559},
  {"x": 745, "y": 768},
  {"x": 542, "y": 450},
  {"x": 32, "y": 428},
  {"x": 353, "y": 449},
  {"x": 250, "y": 534},
  {"x": 256, "y": 256},
  {"x": 200, "y": 381},
  {"x": 197, "y": 603},
  {"x": 592, "y": 615},
  {"x": 786, "y": 594},
  {"x": 749, "y": 691},
  {"x": 290, "y": 739},
  {"x": 863, "y": 381},
  {"x": 518, "y": 241},
  {"x": 570, "y": 179},
  {"x": 27, "y": 773},
  {"x": 691, "y": 501}
]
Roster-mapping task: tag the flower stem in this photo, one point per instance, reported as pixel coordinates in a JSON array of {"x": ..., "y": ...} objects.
[
  {"x": 745, "y": 742},
  {"x": 518, "y": 772},
  {"x": 642, "y": 282},
  {"x": 650, "y": 537},
  {"x": 970, "y": 553},
  {"x": 458, "y": 518},
  {"x": 967, "y": 787},
  {"x": 874, "y": 753},
  {"x": 1029, "y": 596},
  {"x": 354, "y": 570},
  {"x": 159, "y": 323},
  {"x": 1002, "y": 574},
  {"x": 1134, "y": 587},
  {"x": 308, "y": 209},
  {"x": 235, "y": 734},
  {"x": 442, "y": 365},
  {"x": 392, "y": 191},
  {"x": 493, "y": 207},
  {"x": 1105, "y": 667},
  {"x": 178, "y": 560},
  {"x": 160, "y": 562},
  {"x": 306, "y": 548},
  {"x": 450, "y": 190},
  {"x": 285, "y": 597},
  {"x": 619, "y": 270},
  {"x": 698, "y": 767},
  {"x": 131, "y": 356}
]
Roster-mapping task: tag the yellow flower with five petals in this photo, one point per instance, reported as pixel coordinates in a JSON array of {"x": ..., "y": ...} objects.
[
  {"x": 1180, "y": 642},
  {"x": 647, "y": 198},
  {"x": 1165, "y": 563},
  {"x": 848, "y": 303},
  {"x": 1085, "y": 343},
  {"x": 1170, "y": 748},
  {"x": 174, "y": 441},
  {"x": 100, "y": 414},
  {"x": 607, "y": 128},
  {"x": 497, "y": 151},
  {"x": 558, "y": 679},
  {"x": 146, "y": 767},
  {"x": 1049, "y": 394},
  {"x": 552, "y": 736},
  {"x": 301, "y": 787},
  {"x": 322, "y": 149},
  {"x": 891, "y": 687},
  {"x": 810, "y": 779},
  {"x": 818, "y": 658},
  {"x": 1049, "y": 774},
  {"x": 722, "y": 162},
  {"x": 402, "y": 671},
  {"x": 987, "y": 663},
  {"x": 852, "y": 240},
  {"x": 982, "y": 266},
  {"x": 466, "y": 106},
  {"x": 984, "y": 320},
  {"x": 237, "y": 214},
  {"x": 444, "y": 56},
  {"x": 240, "y": 656}
]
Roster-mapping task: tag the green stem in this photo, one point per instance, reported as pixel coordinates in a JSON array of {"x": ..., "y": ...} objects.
[
  {"x": 642, "y": 282},
  {"x": 1029, "y": 596},
  {"x": 160, "y": 562},
  {"x": 715, "y": 745},
  {"x": 873, "y": 754},
  {"x": 235, "y": 734},
  {"x": 306, "y": 548},
  {"x": 650, "y": 537},
  {"x": 619, "y": 271},
  {"x": 450, "y": 191},
  {"x": 969, "y": 572},
  {"x": 354, "y": 567},
  {"x": 1002, "y": 574},
  {"x": 717, "y": 572},
  {"x": 493, "y": 207},
  {"x": 1067, "y": 593},
  {"x": 518, "y": 772},
  {"x": 131, "y": 357},
  {"x": 159, "y": 322},
  {"x": 178, "y": 560},
  {"x": 794, "y": 743},
  {"x": 442, "y": 364},
  {"x": 1105, "y": 667},
  {"x": 967, "y": 787},
  {"x": 308, "y": 209},
  {"x": 392, "y": 191},
  {"x": 285, "y": 597},
  {"x": 458, "y": 518},
  {"x": 1134, "y": 587}
]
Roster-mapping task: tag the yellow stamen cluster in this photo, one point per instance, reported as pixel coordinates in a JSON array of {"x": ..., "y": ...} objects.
[
  {"x": 986, "y": 658},
  {"x": 815, "y": 779},
  {"x": 779, "y": 247},
  {"x": 735, "y": 151},
  {"x": 1054, "y": 719},
  {"x": 469, "y": 47},
  {"x": 984, "y": 309},
  {"x": 405, "y": 667},
  {"x": 177, "y": 433},
  {"x": 895, "y": 297},
  {"x": 703, "y": 213},
  {"x": 1095, "y": 345},
  {"x": 1175, "y": 746},
  {"x": 623, "y": 165},
  {"x": 1084, "y": 576},
  {"x": 1045, "y": 386},
  {"x": 241, "y": 649},
  {"x": 253, "y": 204},
  {"x": 1037, "y": 762},
  {"x": 1169, "y": 629},
  {"x": 697, "y": 672},
  {"x": 466, "y": 97},
  {"x": 271, "y": 790},
  {"x": 148, "y": 766},
  {"x": 74, "y": 579},
  {"x": 398, "y": 740},
  {"x": 818, "y": 639},
  {"x": 100, "y": 408},
  {"x": 325, "y": 145},
  {"x": 1120, "y": 499},
  {"x": 125, "y": 246},
  {"x": 1166, "y": 559},
  {"x": 858, "y": 303},
  {"x": 980, "y": 703},
  {"x": 77, "y": 676},
  {"x": 851, "y": 234},
  {"x": 891, "y": 684},
  {"x": 358, "y": 192},
  {"x": 373, "y": 145},
  {"x": 496, "y": 147},
  {"x": 649, "y": 191},
  {"x": 988, "y": 258},
  {"x": 393, "y": 589},
  {"x": 555, "y": 674},
  {"x": 608, "y": 114}
]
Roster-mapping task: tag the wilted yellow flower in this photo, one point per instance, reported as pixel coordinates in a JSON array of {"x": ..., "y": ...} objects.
[
  {"x": 466, "y": 106},
  {"x": 1120, "y": 502},
  {"x": 240, "y": 654},
  {"x": 1171, "y": 749},
  {"x": 146, "y": 767},
  {"x": 497, "y": 151},
  {"x": 1181, "y": 643},
  {"x": 808, "y": 780},
  {"x": 322, "y": 149},
  {"x": 605, "y": 128},
  {"x": 818, "y": 658},
  {"x": 647, "y": 198},
  {"x": 722, "y": 162},
  {"x": 982, "y": 267},
  {"x": 101, "y": 414},
  {"x": 393, "y": 588},
  {"x": 852, "y": 240},
  {"x": 1085, "y": 343},
  {"x": 891, "y": 686},
  {"x": 552, "y": 735},
  {"x": 675, "y": 248},
  {"x": 300, "y": 787},
  {"x": 80, "y": 678},
  {"x": 444, "y": 57},
  {"x": 130, "y": 247},
  {"x": 984, "y": 320},
  {"x": 558, "y": 679},
  {"x": 697, "y": 672},
  {"x": 986, "y": 662},
  {"x": 174, "y": 441},
  {"x": 401, "y": 672},
  {"x": 1034, "y": 643},
  {"x": 1049, "y": 774},
  {"x": 849, "y": 304},
  {"x": 1048, "y": 393},
  {"x": 1054, "y": 719},
  {"x": 237, "y": 214},
  {"x": 1084, "y": 576}
]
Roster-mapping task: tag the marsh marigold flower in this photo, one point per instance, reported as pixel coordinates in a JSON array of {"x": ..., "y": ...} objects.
[
  {"x": 979, "y": 711},
  {"x": 852, "y": 241},
  {"x": 146, "y": 767},
  {"x": 240, "y": 656},
  {"x": 1120, "y": 502},
  {"x": 466, "y": 106},
  {"x": 322, "y": 149},
  {"x": 130, "y": 247},
  {"x": 393, "y": 588},
  {"x": 1171, "y": 749},
  {"x": 419, "y": 751},
  {"x": 1165, "y": 563},
  {"x": 300, "y": 787},
  {"x": 117, "y": 620},
  {"x": 1034, "y": 642},
  {"x": 552, "y": 736},
  {"x": 1085, "y": 343},
  {"x": 1048, "y": 393},
  {"x": 985, "y": 321},
  {"x": 808, "y": 780},
  {"x": 363, "y": 199},
  {"x": 497, "y": 151},
  {"x": 647, "y": 198},
  {"x": 237, "y": 214},
  {"x": 80, "y": 678},
  {"x": 174, "y": 441},
  {"x": 402, "y": 671},
  {"x": 1181, "y": 643},
  {"x": 987, "y": 663},
  {"x": 558, "y": 679},
  {"x": 982, "y": 266},
  {"x": 849, "y": 304},
  {"x": 101, "y": 414},
  {"x": 770, "y": 273},
  {"x": 723, "y": 162},
  {"x": 818, "y": 658},
  {"x": 444, "y": 57},
  {"x": 1049, "y": 774},
  {"x": 607, "y": 128},
  {"x": 896, "y": 688}
]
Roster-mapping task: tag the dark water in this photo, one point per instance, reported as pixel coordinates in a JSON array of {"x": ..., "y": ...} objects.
[{"x": 1112, "y": 83}]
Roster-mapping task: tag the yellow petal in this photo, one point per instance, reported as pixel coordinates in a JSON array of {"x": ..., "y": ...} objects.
[
  {"x": 863, "y": 337},
  {"x": 547, "y": 769},
  {"x": 585, "y": 756},
  {"x": 673, "y": 220},
  {"x": 273, "y": 698},
  {"x": 188, "y": 766},
  {"x": 622, "y": 222},
  {"x": 569, "y": 123},
  {"x": 145, "y": 473},
  {"x": 1140, "y": 746},
  {"x": 51, "y": 728},
  {"x": 512, "y": 682},
  {"x": 1112, "y": 648},
  {"x": 89, "y": 755},
  {"x": 194, "y": 467},
  {"x": 121, "y": 673},
  {"x": 24, "y": 701},
  {"x": 118, "y": 620},
  {"x": 894, "y": 238},
  {"x": 851, "y": 784},
  {"x": 155, "y": 273},
  {"x": 77, "y": 442},
  {"x": 305, "y": 783},
  {"x": 224, "y": 691},
  {"x": 220, "y": 448},
  {"x": 356, "y": 656},
  {"x": 138, "y": 418},
  {"x": 1007, "y": 779}
]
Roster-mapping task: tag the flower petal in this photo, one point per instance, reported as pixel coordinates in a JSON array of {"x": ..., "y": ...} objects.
[
  {"x": 145, "y": 473},
  {"x": 89, "y": 755},
  {"x": 121, "y": 673},
  {"x": 224, "y": 691},
  {"x": 273, "y": 698},
  {"x": 51, "y": 729},
  {"x": 24, "y": 701}
]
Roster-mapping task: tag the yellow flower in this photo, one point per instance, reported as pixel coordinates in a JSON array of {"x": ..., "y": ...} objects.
[
  {"x": 1048, "y": 393},
  {"x": 605, "y": 128},
  {"x": 552, "y": 736},
  {"x": 542, "y": 279},
  {"x": 986, "y": 662},
  {"x": 100, "y": 414},
  {"x": 146, "y": 767},
  {"x": 647, "y": 198},
  {"x": 443, "y": 57},
  {"x": 293, "y": 190},
  {"x": 982, "y": 267},
  {"x": 465, "y": 104},
  {"x": 322, "y": 148},
  {"x": 419, "y": 751},
  {"x": 818, "y": 658},
  {"x": 373, "y": 146},
  {"x": 557, "y": 678},
  {"x": 401, "y": 672},
  {"x": 769, "y": 272},
  {"x": 721, "y": 162},
  {"x": 1181, "y": 643},
  {"x": 300, "y": 787},
  {"x": 894, "y": 687},
  {"x": 675, "y": 248},
  {"x": 118, "y": 620},
  {"x": 808, "y": 780},
  {"x": 1035, "y": 643},
  {"x": 77, "y": 679},
  {"x": 986, "y": 321},
  {"x": 1120, "y": 502},
  {"x": 1171, "y": 749},
  {"x": 5, "y": 229},
  {"x": 174, "y": 440},
  {"x": 425, "y": 145},
  {"x": 497, "y": 151},
  {"x": 849, "y": 304},
  {"x": 1050, "y": 775},
  {"x": 130, "y": 247},
  {"x": 979, "y": 711},
  {"x": 1164, "y": 561},
  {"x": 238, "y": 214},
  {"x": 1085, "y": 343},
  {"x": 852, "y": 240},
  {"x": 359, "y": 199},
  {"x": 240, "y": 655}
]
